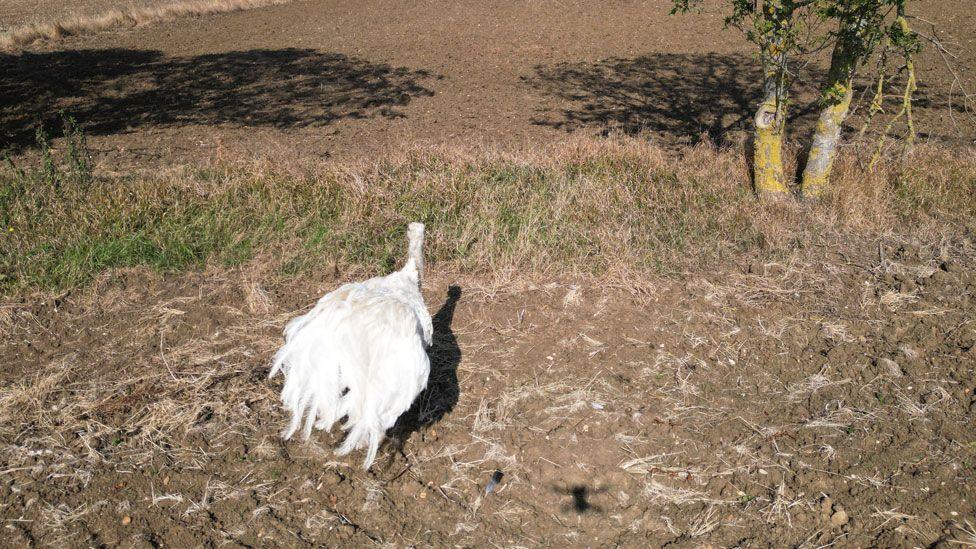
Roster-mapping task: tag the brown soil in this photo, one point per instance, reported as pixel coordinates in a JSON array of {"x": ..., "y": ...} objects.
[
  {"x": 827, "y": 399},
  {"x": 348, "y": 77},
  {"x": 802, "y": 403}
]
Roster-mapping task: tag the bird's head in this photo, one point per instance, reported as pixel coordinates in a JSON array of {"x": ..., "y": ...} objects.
[{"x": 415, "y": 232}]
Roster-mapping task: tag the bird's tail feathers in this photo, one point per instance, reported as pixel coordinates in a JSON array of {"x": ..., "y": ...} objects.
[
  {"x": 312, "y": 382},
  {"x": 365, "y": 433},
  {"x": 278, "y": 362},
  {"x": 325, "y": 353},
  {"x": 294, "y": 326}
]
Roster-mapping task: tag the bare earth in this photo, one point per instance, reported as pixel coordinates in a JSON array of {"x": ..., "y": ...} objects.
[
  {"x": 353, "y": 77},
  {"x": 827, "y": 400},
  {"x": 773, "y": 405}
]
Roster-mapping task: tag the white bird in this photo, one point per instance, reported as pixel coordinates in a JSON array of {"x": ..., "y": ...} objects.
[{"x": 360, "y": 353}]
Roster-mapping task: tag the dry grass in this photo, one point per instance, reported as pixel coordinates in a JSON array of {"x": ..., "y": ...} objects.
[
  {"x": 618, "y": 209},
  {"x": 663, "y": 494},
  {"x": 125, "y": 414},
  {"x": 968, "y": 534},
  {"x": 123, "y": 18},
  {"x": 613, "y": 210}
]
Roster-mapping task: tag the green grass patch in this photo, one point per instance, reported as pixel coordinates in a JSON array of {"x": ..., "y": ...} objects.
[{"x": 591, "y": 207}]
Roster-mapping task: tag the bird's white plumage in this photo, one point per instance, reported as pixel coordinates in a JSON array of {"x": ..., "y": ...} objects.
[{"x": 360, "y": 353}]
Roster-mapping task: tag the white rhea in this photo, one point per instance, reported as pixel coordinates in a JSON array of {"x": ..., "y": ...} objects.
[{"x": 360, "y": 353}]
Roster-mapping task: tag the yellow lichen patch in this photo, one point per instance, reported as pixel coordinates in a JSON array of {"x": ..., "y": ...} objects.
[
  {"x": 820, "y": 161},
  {"x": 768, "y": 151},
  {"x": 769, "y": 162}
]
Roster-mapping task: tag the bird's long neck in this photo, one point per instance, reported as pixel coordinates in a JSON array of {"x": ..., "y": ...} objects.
[{"x": 415, "y": 251}]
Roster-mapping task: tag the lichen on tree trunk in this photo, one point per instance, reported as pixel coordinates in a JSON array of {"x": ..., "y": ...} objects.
[
  {"x": 836, "y": 103},
  {"x": 907, "y": 97},
  {"x": 770, "y": 124},
  {"x": 823, "y": 149}
]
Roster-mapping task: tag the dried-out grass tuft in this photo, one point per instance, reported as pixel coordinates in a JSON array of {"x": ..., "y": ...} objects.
[
  {"x": 122, "y": 18},
  {"x": 619, "y": 209},
  {"x": 663, "y": 494}
]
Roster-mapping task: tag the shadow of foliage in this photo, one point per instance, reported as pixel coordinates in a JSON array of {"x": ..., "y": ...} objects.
[
  {"x": 681, "y": 97},
  {"x": 115, "y": 90}
]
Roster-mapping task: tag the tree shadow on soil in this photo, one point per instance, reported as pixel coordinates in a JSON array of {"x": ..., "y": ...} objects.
[
  {"x": 442, "y": 392},
  {"x": 680, "y": 97},
  {"x": 684, "y": 98},
  {"x": 116, "y": 90}
]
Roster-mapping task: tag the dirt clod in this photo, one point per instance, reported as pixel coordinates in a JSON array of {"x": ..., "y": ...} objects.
[
  {"x": 890, "y": 367},
  {"x": 826, "y": 507},
  {"x": 839, "y": 518}
]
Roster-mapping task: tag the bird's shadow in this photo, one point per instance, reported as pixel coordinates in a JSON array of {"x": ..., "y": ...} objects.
[{"x": 441, "y": 394}]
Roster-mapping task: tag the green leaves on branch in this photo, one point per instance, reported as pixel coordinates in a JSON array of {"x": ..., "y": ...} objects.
[
  {"x": 800, "y": 26},
  {"x": 835, "y": 94},
  {"x": 779, "y": 27},
  {"x": 790, "y": 31},
  {"x": 903, "y": 39}
]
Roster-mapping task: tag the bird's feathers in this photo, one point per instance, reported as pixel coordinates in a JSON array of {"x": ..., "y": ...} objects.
[{"x": 360, "y": 353}]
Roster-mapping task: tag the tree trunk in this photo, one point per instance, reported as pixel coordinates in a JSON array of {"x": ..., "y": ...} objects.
[
  {"x": 836, "y": 99},
  {"x": 770, "y": 123}
]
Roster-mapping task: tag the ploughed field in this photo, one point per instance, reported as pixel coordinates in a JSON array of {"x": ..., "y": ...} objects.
[
  {"x": 786, "y": 391},
  {"x": 772, "y": 403},
  {"x": 351, "y": 78}
]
